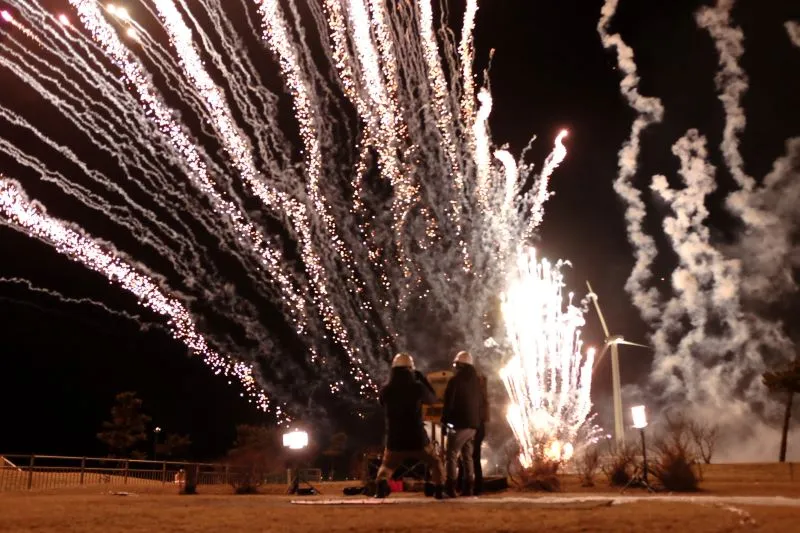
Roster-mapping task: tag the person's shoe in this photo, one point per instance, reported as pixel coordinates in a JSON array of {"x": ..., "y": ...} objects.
[
  {"x": 450, "y": 489},
  {"x": 383, "y": 489},
  {"x": 438, "y": 492}
]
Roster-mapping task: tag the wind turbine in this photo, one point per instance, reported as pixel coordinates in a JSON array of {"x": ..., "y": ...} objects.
[{"x": 613, "y": 342}]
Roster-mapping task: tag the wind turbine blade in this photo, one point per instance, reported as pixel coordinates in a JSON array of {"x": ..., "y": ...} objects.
[
  {"x": 599, "y": 358},
  {"x": 628, "y": 343},
  {"x": 599, "y": 312}
]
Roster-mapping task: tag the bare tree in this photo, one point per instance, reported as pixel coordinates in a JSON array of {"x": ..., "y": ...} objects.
[
  {"x": 704, "y": 434},
  {"x": 587, "y": 464}
]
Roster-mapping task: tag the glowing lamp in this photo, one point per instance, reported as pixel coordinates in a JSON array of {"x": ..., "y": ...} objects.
[
  {"x": 639, "y": 416},
  {"x": 295, "y": 440}
]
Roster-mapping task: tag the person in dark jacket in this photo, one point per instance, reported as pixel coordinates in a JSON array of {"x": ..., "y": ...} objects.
[
  {"x": 461, "y": 417},
  {"x": 406, "y": 438}
]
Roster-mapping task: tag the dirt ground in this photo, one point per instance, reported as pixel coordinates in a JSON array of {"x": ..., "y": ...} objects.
[{"x": 94, "y": 509}]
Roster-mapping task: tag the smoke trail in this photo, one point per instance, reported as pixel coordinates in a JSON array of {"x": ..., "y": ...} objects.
[
  {"x": 77, "y": 301},
  {"x": 650, "y": 111}
]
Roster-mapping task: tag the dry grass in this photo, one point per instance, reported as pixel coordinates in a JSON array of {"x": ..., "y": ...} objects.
[
  {"x": 157, "y": 508},
  {"x": 89, "y": 511}
]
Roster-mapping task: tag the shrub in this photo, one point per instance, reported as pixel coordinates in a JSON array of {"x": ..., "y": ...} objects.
[
  {"x": 257, "y": 453},
  {"x": 675, "y": 457},
  {"x": 619, "y": 465},
  {"x": 587, "y": 464},
  {"x": 541, "y": 476}
]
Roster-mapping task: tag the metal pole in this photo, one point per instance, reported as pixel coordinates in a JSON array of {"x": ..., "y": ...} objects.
[
  {"x": 164, "y": 473},
  {"x": 125, "y": 476},
  {"x": 619, "y": 431},
  {"x": 30, "y": 471},
  {"x": 83, "y": 468},
  {"x": 644, "y": 457}
]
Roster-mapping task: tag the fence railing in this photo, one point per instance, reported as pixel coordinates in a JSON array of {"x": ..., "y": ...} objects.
[{"x": 29, "y": 472}]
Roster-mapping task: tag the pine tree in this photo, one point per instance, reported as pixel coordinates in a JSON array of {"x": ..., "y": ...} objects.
[{"x": 127, "y": 427}]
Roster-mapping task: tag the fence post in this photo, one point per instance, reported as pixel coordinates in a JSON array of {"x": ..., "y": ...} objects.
[
  {"x": 83, "y": 468},
  {"x": 164, "y": 473},
  {"x": 227, "y": 468},
  {"x": 125, "y": 474},
  {"x": 30, "y": 471}
]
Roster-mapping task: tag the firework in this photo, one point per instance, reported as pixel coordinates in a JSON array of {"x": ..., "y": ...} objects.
[
  {"x": 547, "y": 378},
  {"x": 210, "y": 181}
]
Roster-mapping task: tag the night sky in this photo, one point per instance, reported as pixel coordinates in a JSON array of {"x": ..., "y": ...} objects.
[{"x": 61, "y": 364}]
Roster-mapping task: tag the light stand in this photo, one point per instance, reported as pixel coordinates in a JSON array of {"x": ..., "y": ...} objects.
[
  {"x": 639, "y": 416},
  {"x": 297, "y": 440}
]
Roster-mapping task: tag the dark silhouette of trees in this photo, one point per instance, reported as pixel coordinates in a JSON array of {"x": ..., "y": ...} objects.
[
  {"x": 174, "y": 446},
  {"x": 127, "y": 427},
  {"x": 785, "y": 380}
]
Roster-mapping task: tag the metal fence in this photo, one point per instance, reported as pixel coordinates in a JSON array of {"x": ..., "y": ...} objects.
[{"x": 30, "y": 472}]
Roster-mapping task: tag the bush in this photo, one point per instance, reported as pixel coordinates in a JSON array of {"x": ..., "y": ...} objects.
[
  {"x": 542, "y": 476},
  {"x": 587, "y": 464},
  {"x": 619, "y": 466},
  {"x": 257, "y": 453},
  {"x": 675, "y": 461}
]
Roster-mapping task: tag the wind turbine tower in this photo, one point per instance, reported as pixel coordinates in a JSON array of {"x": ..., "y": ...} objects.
[{"x": 613, "y": 342}]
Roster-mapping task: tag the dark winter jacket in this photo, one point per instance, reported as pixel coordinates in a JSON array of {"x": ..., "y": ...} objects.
[
  {"x": 402, "y": 400},
  {"x": 462, "y": 399}
]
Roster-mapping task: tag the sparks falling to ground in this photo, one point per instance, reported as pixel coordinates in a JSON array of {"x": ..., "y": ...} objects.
[{"x": 547, "y": 378}]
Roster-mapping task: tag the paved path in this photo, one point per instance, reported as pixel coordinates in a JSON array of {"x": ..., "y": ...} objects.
[{"x": 566, "y": 501}]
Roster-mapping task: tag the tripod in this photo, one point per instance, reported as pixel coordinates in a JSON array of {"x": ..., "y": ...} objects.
[{"x": 640, "y": 481}]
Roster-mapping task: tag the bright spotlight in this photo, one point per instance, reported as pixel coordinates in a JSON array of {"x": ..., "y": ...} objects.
[
  {"x": 639, "y": 417},
  {"x": 63, "y": 19},
  {"x": 6, "y": 16},
  {"x": 295, "y": 440}
]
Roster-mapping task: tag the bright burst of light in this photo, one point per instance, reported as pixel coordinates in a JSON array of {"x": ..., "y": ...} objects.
[
  {"x": 63, "y": 19},
  {"x": 19, "y": 211},
  {"x": 131, "y": 32},
  {"x": 6, "y": 16},
  {"x": 547, "y": 378},
  {"x": 122, "y": 14}
]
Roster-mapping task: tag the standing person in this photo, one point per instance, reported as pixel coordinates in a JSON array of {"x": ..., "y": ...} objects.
[
  {"x": 461, "y": 417},
  {"x": 480, "y": 434},
  {"x": 406, "y": 438}
]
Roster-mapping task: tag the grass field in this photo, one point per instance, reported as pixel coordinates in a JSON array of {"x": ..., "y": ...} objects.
[
  {"x": 153, "y": 507},
  {"x": 88, "y": 510}
]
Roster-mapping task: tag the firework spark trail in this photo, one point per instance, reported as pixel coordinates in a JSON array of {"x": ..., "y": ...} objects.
[
  {"x": 793, "y": 30},
  {"x": 276, "y": 34},
  {"x": 548, "y": 379},
  {"x": 650, "y": 111},
  {"x": 29, "y": 217},
  {"x": 552, "y": 162},
  {"x": 94, "y": 127},
  {"x": 384, "y": 67},
  {"x": 466, "y": 51},
  {"x": 193, "y": 160},
  {"x": 441, "y": 102}
]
